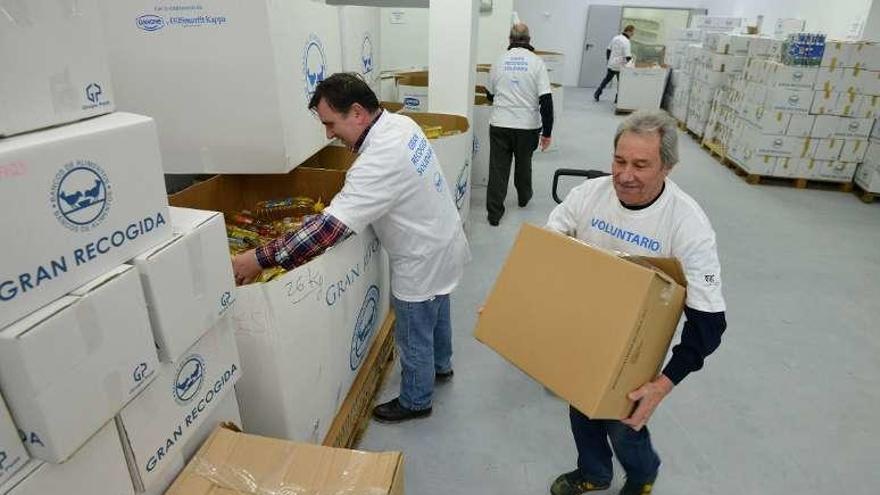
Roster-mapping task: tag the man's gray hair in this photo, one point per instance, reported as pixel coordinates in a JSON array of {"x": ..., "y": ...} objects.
[
  {"x": 519, "y": 33},
  {"x": 654, "y": 121}
]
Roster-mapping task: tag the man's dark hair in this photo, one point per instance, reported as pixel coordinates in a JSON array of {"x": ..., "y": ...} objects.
[{"x": 342, "y": 90}]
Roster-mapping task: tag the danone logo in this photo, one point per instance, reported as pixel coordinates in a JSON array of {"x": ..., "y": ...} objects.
[
  {"x": 461, "y": 184},
  {"x": 81, "y": 195},
  {"x": 150, "y": 22},
  {"x": 190, "y": 376},
  {"x": 364, "y": 326},
  {"x": 438, "y": 181},
  {"x": 367, "y": 55},
  {"x": 314, "y": 65},
  {"x": 411, "y": 102}
]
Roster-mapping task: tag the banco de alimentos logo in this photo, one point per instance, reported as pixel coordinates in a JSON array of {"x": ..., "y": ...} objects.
[
  {"x": 364, "y": 327},
  {"x": 189, "y": 379},
  {"x": 314, "y": 65},
  {"x": 81, "y": 195},
  {"x": 367, "y": 55}
]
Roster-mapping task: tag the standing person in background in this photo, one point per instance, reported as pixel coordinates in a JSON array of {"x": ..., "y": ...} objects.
[
  {"x": 522, "y": 118},
  {"x": 396, "y": 185},
  {"x": 618, "y": 54}
]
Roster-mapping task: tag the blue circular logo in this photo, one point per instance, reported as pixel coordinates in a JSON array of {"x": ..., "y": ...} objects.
[
  {"x": 461, "y": 184},
  {"x": 367, "y": 55},
  {"x": 81, "y": 195},
  {"x": 190, "y": 376},
  {"x": 314, "y": 65},
  {"x": 150, "y": 22},
  {"x": 364, "y": 327}
]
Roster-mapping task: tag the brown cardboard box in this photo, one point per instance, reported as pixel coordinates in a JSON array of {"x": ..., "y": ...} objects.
[
  {"x": 588, "y": 324},
  {"x": 231, "y": 462}
]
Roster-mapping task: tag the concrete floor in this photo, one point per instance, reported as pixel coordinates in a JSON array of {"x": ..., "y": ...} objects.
[{"x": 789, "y": 402}]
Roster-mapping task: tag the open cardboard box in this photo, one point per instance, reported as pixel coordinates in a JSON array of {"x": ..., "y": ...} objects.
[
  {"x": 590, "y": 325},
  {"x": 305, "y": 333},
  {"x": 231, "y": 462}
]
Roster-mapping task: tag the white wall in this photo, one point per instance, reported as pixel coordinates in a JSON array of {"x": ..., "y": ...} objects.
[
  {"x": 834, "y": 18},
  {"x": 406, "y": 45},
  {"x": 494, "y": 29}
]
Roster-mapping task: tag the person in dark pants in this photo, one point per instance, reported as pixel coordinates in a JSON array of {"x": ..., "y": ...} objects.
[
  {"x": 640, "y": 200},
  {"x": 522, "y": 120},
  {"x": 618, "y": 54}
]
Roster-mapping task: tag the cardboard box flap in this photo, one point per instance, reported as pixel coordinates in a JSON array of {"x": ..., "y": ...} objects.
[
  {"x": 449, "y": 122},
  {"x": 33, "y": 320},
  {"x": 102, "y": 280},
  {"x": 185, "y": 220},
  {"x": 234, "y": 462},
  {"x": 667, "y": 266},
  {"x": 158, "y": 249}
]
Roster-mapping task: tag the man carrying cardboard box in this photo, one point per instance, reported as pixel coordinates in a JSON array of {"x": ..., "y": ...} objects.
[
  {"x": 638, "y": 202},
  {"x": 397, "y": 186}
]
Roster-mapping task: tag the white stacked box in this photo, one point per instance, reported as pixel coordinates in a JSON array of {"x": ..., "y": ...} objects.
[
  {"x": 359, "y": 30},
  {"x": 242, "y": 112},
  {"x": 716, "y": 23},
  {"x": 188, "y": 280},
  {"x": 98, "y": 467},
  {"x": 68, "y": 368},
  {"x": 13, "y": 455},
  {"x": 88, "y": 197},
  {"x": 54, "y": 65},
  {"x": 155, "y": 425}
]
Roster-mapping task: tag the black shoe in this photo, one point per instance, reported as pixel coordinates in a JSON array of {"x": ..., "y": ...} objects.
[
  {"x": 523, "y": 204},
  {"x": 636, "y": 488},
  {"x": 494, "y": 222},
  {"x": 393, "y": 412},
  {"x": 574, "y": 484},
  {"x": 595, "y": 96},
  {"x": 443, "y": 377}
]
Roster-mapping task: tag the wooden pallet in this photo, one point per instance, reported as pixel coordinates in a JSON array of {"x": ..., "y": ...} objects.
[
  {"x": 622, "y": 111},
  {"x": 866, "y": 196},
  {"x": 354, "y": 414},
  {"x": 681, "y": 126},
  {"x": 716, "y": 150},
  {"x": 797, "y": 183}
]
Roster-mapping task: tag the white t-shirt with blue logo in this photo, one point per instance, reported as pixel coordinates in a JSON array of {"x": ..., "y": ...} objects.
[
  {"x": 674, "y": 226},
  {"x": 517, "y": 80},
  {"x": 396, "y": 185}
]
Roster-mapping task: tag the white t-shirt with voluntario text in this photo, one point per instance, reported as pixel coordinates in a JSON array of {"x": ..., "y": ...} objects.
[
  {"x": 396, "y": 185},
  {"x": 517, "y": 80},
  {"x": 674, "y": 226}
]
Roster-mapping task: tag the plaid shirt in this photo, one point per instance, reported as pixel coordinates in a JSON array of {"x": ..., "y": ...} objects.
[{"x": 296, "y": 248}]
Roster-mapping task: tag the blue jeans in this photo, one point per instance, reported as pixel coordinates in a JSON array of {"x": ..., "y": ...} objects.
[
  {"x": 633, "y": 449},
  {"x": 423, "y": 331}
]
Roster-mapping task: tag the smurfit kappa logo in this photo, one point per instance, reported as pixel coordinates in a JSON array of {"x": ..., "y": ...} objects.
[
  {"x": 150, "y": 22},
  {"x": 189, "y": 379},
  {"x": 81, "y": 195},
  {"x": 314, "y": 65},
  {"x": 461, "y": 184},
  {"x": 367, "y": 55},
  {"x": 94, "y": 92},
  {"x": 364, "y": 327}
]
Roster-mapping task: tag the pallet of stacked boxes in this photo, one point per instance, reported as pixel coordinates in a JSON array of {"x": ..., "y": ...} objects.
[
  {"x": 828, "y": 107},
  {"x": 867, "y": 176},
  {"x": 680, "y": 72},
  {"x": 729, "y": 54}
]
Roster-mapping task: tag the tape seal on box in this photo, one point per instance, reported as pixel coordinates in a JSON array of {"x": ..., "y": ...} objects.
[{"x": 89, "y": 325}]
